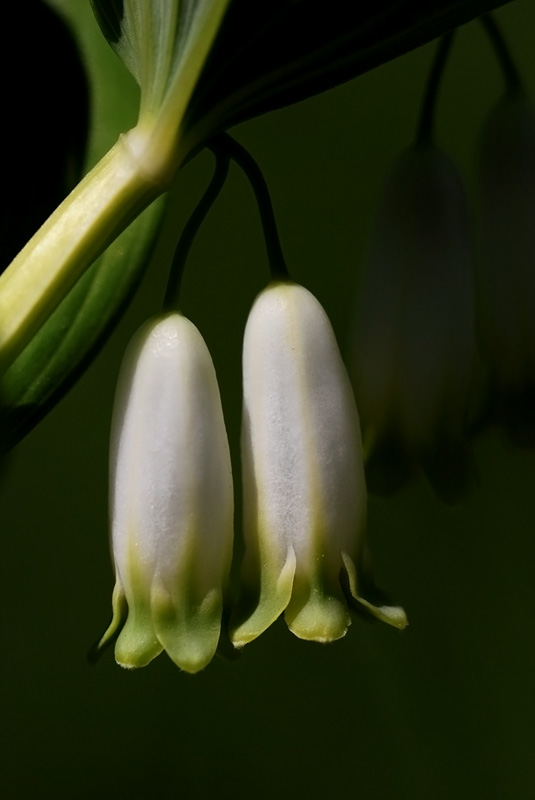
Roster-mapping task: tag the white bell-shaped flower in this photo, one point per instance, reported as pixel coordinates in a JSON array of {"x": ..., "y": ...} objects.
[
  {"x": 303, "y": 480},
  {"x": 171, "y": 499},
  {"x": 507, "y": 275},
  {"x": 414, "y": 345}
]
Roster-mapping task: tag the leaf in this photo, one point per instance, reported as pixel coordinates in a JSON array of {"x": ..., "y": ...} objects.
[
  {"x": 74, "y": 333},
  {"x": 158, "y": 40},
  {"x": 298, "y": 48}
]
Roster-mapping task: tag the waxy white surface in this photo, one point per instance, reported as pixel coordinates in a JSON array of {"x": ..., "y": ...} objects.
[
  {"x": 171, "y": 483},
  {"x": 301, "y": 451}
]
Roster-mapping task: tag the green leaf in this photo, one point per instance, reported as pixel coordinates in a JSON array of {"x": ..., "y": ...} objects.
[
  {"x": 163, "y": 43},
  {"x": 74, "y": 333},
  {"x": 298, "y": 48}
]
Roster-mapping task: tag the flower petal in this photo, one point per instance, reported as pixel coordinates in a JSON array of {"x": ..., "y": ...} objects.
[
  {"x": 171, "y": 496},
  {"x": 304, "y": 492}
]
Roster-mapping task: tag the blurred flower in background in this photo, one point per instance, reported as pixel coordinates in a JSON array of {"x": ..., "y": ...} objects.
[
  {"x": 506, "y": 280},
  {"x": 413, "y": 354}
]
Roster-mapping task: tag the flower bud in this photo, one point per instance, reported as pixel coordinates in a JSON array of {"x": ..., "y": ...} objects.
[
  {"x": 303, "y": 481},
  {"x": 171, "y": 498},
  {"x": 507, "y": 275},
  {"x": 414, "y": 345}
]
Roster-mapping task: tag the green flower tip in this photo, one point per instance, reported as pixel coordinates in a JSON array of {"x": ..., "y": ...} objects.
[{"x": 316, "y": 607}]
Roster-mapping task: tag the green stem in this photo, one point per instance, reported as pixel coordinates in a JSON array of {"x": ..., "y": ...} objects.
[
  {"x": 238, "y": 153},
  {"x": 139, "y": 168},
  {"x": 427, "y": 114},
  {"x": 192, "y": 227},
  {"x": 98, "y": 209},
  {"x": 508, "y": 67}
]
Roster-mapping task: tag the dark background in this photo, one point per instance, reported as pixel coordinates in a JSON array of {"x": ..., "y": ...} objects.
[{"x": 444, "y": 710}]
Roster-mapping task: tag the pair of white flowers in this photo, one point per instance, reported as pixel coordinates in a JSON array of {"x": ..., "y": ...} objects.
[{"x": 172, "y": 489}]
